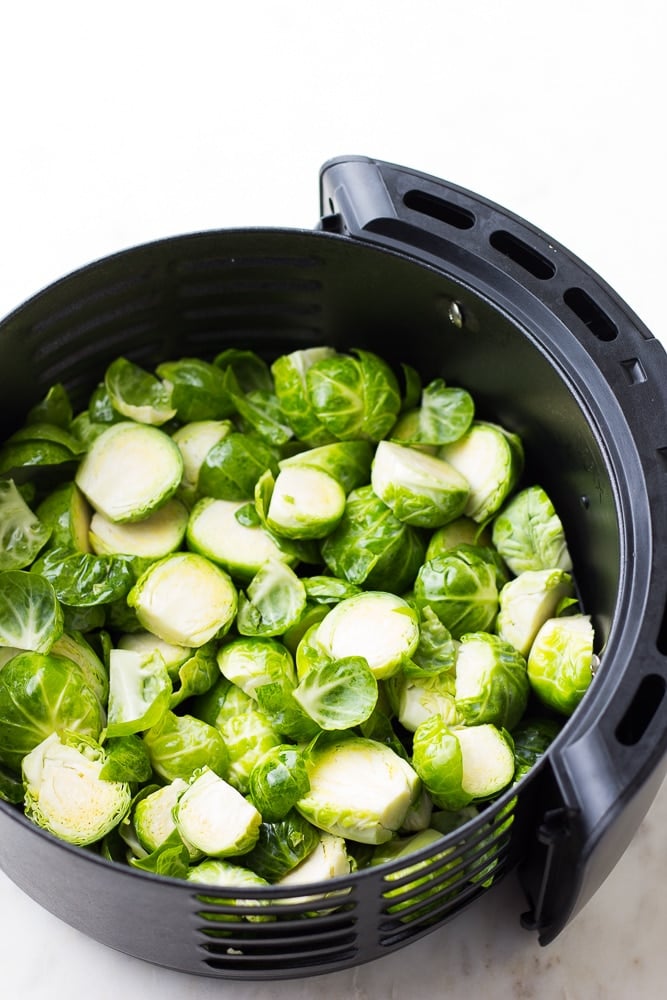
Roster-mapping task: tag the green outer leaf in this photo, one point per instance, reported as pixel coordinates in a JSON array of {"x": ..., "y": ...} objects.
[
  {"x": 30, "y": 614},
  {"x": 438, "y": 760},
  {"x": 81, "y": 579},
  {"x": 460, "y": 588},
  {"x": 181, "y": 744},
  {"x": 233, "y": 466},
  {"x": 277, "y": 781},
  {"x": 22, "y": 534},
  {"x": 138, "y": 394},
  {"x": 274, "y": 602},
  {"x": 249, "y": 370},
  {"x": 139, "y": 691},
  {"x": 54, "y": 408},
  {"x": 339, "y": 694},
  {"x": 197, "y": 389},
  {"x": 445, "y": 414},
  {"x": 126, "y": 760},
  {"x": 281, "y": 846}
]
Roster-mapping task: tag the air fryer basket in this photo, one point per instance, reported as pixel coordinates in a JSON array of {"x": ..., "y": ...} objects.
[{"x": 424, "y": 272}]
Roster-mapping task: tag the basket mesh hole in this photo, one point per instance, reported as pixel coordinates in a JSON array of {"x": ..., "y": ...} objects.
[
  {"x": 590, "y": 314},
  {"x": 525, "y": 256},
  {"x": 644, "y": 705},
  {"x": 439, "y": 209}
]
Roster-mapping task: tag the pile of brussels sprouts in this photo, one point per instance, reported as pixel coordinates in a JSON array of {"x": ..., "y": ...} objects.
[{"x": 267, "y": 624}]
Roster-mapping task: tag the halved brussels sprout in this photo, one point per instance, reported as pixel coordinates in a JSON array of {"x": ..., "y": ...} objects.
[
  {"x": 491, "y": 681},
  {"x": 415, "y": 695},
  {"x": 274, "y": 601},
  {"x": 527, "y": 601},
  {"x": 65, "y": 794},
  {"x": 153, "y": 537},
  {"x": 253, "y": 662},
  {"x": 153, "y": 816},
  {"x": 359, "y": 789},
  {"x": 129, "y": 471},
  {"x": 349, "y": 462},
  {"x": 228, "y": 876},
  {"x": 560, "y": 662},
  {"x": 376, "y": 625},
  {"x": 338, "y": 694},
  {"x": 491, "y": 459},
  {"x": 139, "y": 691},
  {"x": 215, "y": 531},
  {"x": 184, "y": 599},
  {"x": 147, "y": 643},
  {"x": 22, "y": 534},
  {"x": 529, "y": 535},
  {"x": 461, "y": 531},
  {"x": 328, "y": 859},
  {"x": 179, "y": 745},
  {"x": 305, "y": 502},
  {"x": 212, "y": 816},
  {"x": 437, "y": 758},
  {"x": 422, "y": 490},
  {"x": 195, "y": 440},
  {"x": 488, "y": 759}
]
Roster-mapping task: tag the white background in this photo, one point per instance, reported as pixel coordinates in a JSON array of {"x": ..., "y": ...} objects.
[{"x": 122, "y": 122}]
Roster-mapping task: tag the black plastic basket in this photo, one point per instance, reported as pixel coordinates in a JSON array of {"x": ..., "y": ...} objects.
[{"x": 425, "y": 272}]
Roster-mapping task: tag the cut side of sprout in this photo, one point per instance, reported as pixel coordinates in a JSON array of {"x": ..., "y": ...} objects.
[
  {"x": 129, "y": 471},
  {"x": 527, "y": 601},
  {"x": 194, "y": 441},
  {"x": 490, "y": 459},
  {"x": 214, "y": 817},
  {"x": 153, "y": 537},
  {"x": 214, "y": 531},
  {"x": 422, "y": 490},
  {"x": 488, "y": 760},
  {"x": 184, "y": 599},
  {"x": 305, "y": 503},
  {"x": 377, "y": 625}
]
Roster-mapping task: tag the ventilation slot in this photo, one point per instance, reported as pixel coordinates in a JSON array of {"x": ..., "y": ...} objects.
[
  {"x": 634, "y": 371},
  {"x": 590, "y": 313},
  {"x": 525, "y": 256},
  {"x": 643, "y": 707},
  {"x": 440, "y": 209}
]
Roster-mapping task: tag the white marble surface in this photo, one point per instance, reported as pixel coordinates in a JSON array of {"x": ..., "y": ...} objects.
[{"x": 129, "y": 121}]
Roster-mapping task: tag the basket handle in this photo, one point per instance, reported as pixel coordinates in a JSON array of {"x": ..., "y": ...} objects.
[{"x": 586, "y": 800}]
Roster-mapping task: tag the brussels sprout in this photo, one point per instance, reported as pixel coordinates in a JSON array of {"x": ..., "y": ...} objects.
[
  {"x": 277, "y": 781},
  {"x": 153, "y": 819},
  {"x": 247, "y": 732},
  {"x": 212, "y": 816},
  {"x": 196, "y": 389},
  {"x": 445, "y": 413},
  {"x": 22, "y": 534},
  {"x": 359, "y": 789},
  {"x": 73, "y": 646},
  {"x": 66, "y": 514},
  {"x": 215, "y": 531},
  {"x": 184, "y": 599},
  {"x": 253, "y": 662},
  {"x": 65, "y": 794},
  {"x": 560, "y": 662},
  {"x": 129, "y": 471},
  {"x": 532, "y": 738},
  {"x": 127, "y": 760},
  {"x": 281, "y": 846},
  {"x": 147, "y": 643},
  {"x": 339, "y": 694},
  {"x": 461, "y": 531},
  {"x": 289, "y": 375},
  {"x": 491, "y": 459},
  {"x": 488, "y": 759},
  {"x": 349, "y": 462},
  {"x": 81, "y": 579},
  {"x": 371, "y": 547},
  {"x": 354, "y": 397},
  {"x": 529, "y": 534},
  {"x": 420, "y": 489},
  {"x": 376, "y": 625},
  {"x": 418, "y": 816},
  {"x": 195, "y": 440},
  {"x": 15, "y": 455},
  {"x": 460, "y": 587},
  {"x": 527, "y": 601},
  {"x": 231, "y": 467},
  {"x": 304, "y": 502},
  {"x": 139, "y": 691},
  {"x": 328, "y": 859},
  {"x": 491, "y": 681},
  {"x": 41, "y": 694},
  {"x": 273, "y": 601},
  {"x": 138, "y": 394},
  {"x": 214, "y": 872},
  {"x": 415, "y": 695},
  {"x": 437, "y": 758},
  {"x": 30, "y": 615},
  {"x": 179, "y": 745},
  {"x": 152, "y": 538}
]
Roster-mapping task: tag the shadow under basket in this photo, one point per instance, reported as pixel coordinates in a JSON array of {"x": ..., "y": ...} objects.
[{"x": 427, "y": 273}]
